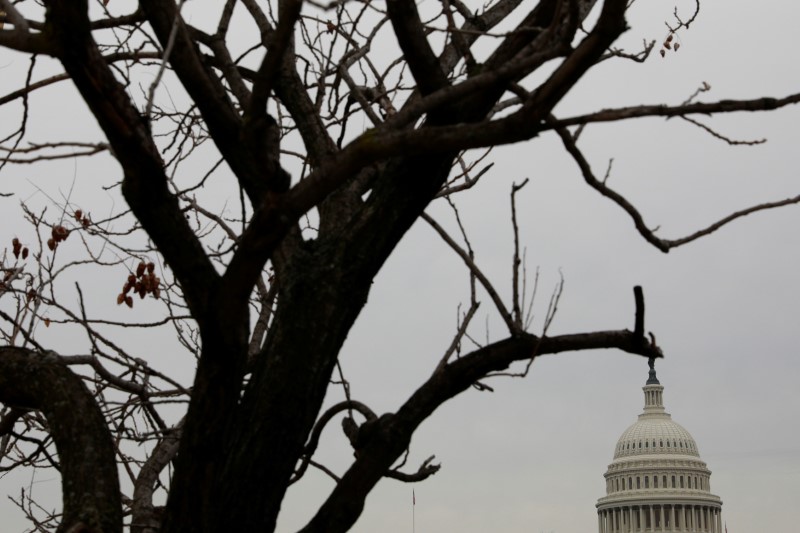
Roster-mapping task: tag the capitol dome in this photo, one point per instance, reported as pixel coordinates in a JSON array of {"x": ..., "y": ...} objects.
[{"x": 657, "y": 481}]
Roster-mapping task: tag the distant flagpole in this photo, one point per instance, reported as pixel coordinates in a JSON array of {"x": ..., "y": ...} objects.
[{"x": 413, "y": 512}]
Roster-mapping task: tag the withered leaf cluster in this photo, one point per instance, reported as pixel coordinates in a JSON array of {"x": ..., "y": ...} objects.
[{"x": 143, "y": 282}]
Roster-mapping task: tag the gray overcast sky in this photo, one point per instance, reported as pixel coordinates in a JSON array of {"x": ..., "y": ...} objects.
[{"x": 531, "y": 456}]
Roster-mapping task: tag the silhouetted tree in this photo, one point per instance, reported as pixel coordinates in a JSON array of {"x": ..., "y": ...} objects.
[{"x": 265, "y": 298}]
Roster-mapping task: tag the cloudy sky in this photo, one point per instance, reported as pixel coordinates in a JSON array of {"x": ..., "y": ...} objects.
[{"x": 726, "y": 310}]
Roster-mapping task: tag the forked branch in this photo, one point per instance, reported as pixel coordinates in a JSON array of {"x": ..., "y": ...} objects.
[{"x": 665, "y": 245}]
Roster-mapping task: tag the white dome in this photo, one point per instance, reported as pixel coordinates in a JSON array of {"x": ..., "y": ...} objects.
[
  {"x": 657, "y": 481},
  {"x": 655, "y": 434}
]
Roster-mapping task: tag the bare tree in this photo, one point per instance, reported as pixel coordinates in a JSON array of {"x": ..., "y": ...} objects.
[{"x": 337, "y": 124}]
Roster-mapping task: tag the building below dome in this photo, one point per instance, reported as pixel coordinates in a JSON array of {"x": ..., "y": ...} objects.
[{"x": 657, "y": 481}]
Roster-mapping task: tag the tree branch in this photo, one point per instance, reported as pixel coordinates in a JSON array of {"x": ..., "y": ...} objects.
[
  {"x": 145, "y": 184},
  {"x": 143, "y": 514},
  {"x": 392, "y": 433},
  {"x": 207, "y": 92},
  {"x": 327, "y": 416},
  {"x": 665, "y": 245},
  {"x": 702, "y": 108},
  {"x": 280, "y": 42},
  {"x": 511, "y": 324},
  {"x": 90, "y": 485},
  {"x": 413, "y": 42}
]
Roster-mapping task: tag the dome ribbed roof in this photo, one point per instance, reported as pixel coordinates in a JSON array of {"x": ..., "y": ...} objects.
[{"x": 655, "y": 434}]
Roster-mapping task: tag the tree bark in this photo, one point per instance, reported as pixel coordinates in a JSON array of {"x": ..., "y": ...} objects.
[{"x": 86, "y": 453}]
